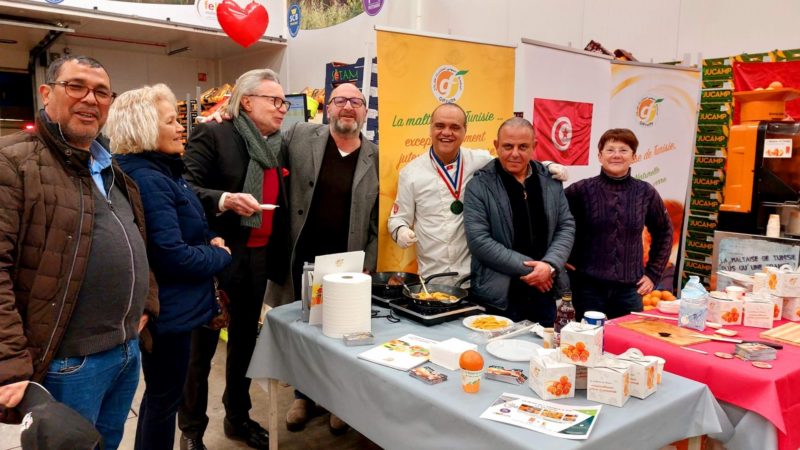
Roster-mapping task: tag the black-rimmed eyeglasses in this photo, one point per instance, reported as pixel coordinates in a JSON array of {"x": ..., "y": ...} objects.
[
  {"x": 78, "y": 91},
  {"x": 277, "y": 101},
  {"x": 355, "y": 102}
]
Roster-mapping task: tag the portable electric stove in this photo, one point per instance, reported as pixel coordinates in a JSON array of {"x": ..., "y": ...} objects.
[{"x": 428, "y": 315}]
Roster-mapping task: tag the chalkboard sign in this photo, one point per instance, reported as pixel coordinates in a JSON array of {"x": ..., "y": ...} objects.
[{"x": 748, "y": 254}]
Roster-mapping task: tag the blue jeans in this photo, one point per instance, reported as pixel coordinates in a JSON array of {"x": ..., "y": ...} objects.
[
  {"x": 100, "y": 387},
  {"x": 610, "y": 297},
  {"x": 164, "y": 375}
]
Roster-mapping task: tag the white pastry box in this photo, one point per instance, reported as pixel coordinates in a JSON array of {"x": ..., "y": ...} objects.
[
  {"x": 783, "y": 281},
  {"x": 791, "y": 308},
  {"x": 758, "y": 312},
  {"x": 644, "y": 378},
  {"x": 777, "y": 310},
  {"x": 550, "y": 378},
  {"x": 581, "y": 344},
  {"x": 724, "y": 311},
  {"x": 609, "y": 382},
  {"x": 580, "y": 377}
]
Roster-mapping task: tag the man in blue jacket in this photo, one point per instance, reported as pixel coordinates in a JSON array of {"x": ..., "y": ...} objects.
[{"x": 519, "y": 230}]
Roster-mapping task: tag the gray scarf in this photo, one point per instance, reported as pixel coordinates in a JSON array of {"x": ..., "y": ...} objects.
[{"x": 264, "y": 154}]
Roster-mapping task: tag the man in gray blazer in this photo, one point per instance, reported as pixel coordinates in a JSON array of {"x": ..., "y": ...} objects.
[{"x": 333, "y": 203}]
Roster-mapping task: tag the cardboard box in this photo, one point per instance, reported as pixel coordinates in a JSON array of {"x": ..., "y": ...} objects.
[
  {"x": 758, "y": 312},
  {"x": 581, "y": 344},
  {"x": 644, "y": 379},
  {"x": 446, "y": 353},
  {"x": 609, "y": 384},
  {"x": 724, "y": 311},
  {"x": 784, "y": 281},
  {"x": 791, "y": 309},
  {"x": 550, "y": 378},
  {"x": 580, "y": 377},
  {"x": 777, "y": 310}
]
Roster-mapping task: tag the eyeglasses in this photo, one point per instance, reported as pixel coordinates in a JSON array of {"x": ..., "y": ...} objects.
[
  {"x": 278, "y": 102},
  {"x": 621, "y": 151},
  {"x": 79, "y": 91},
  {"x": 355, "y": 102}
]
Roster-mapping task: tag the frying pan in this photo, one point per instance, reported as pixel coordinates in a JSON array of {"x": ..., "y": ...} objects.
[
  {"x": 381, "y": 286},
  {"x": 411, "y": 292}
]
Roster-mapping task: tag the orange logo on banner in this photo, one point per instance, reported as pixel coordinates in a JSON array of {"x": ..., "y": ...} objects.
[
  {"x": 447, "y": 84},
  {"x": 647, "y": 110}
]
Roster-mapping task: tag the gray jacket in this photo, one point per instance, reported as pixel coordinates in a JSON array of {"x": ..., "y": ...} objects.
[
  {"x": 304, "y": 147},
  {"x": 490, "y": 234}
]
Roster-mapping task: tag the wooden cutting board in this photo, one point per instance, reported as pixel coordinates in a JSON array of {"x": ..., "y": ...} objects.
[
  {"x": 651, "y": 327},
  {"x": 788, "y": 333}
]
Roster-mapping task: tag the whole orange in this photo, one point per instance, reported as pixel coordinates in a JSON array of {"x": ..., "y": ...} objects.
[{"x": 471, "y": 360}]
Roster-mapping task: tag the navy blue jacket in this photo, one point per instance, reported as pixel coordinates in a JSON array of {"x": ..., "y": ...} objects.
[
  {"x": 488, "y": 224},
  {"x": 180, "y": 256}
]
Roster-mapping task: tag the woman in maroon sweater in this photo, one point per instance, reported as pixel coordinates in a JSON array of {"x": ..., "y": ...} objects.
[{"x": 610, "y": 211}]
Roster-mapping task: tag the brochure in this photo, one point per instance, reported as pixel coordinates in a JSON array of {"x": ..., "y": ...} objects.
[
  {"x": 403, "y": 353},
  {"x": 563, "y": 421}
]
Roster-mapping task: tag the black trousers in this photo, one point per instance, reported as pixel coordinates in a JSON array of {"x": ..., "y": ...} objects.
[
  {"x": 165, "y": 376},
  {"x": 245, "y": 281}
]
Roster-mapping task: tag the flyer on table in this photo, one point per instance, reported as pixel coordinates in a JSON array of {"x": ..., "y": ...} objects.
[{"x": 563, "y": 421}]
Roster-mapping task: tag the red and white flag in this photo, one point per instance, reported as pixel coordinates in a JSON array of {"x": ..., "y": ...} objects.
[{"x": 563, "y": 131}]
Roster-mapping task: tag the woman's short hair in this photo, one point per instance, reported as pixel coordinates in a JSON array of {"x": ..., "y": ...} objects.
[
  {"x": 623, "y": 135},
  {"x": 247, "y": 84},
  {"x": 132, "y": 125}
]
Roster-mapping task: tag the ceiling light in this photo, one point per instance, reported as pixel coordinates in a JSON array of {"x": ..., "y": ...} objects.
[{"x": 175, "y": 51}]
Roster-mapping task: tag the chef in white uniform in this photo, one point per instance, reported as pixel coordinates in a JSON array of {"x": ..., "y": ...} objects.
[{"x": 428, "y": 208}]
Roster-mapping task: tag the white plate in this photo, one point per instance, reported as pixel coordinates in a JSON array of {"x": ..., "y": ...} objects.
[
  {"x": 267, "y": 207},
  {"x": 469, "y": 320},
  {"x": 512, "y": 349},
  {"x": 669, "y": 307}
]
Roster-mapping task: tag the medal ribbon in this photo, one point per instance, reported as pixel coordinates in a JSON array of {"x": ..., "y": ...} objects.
[{"x": 453, "y": 184}]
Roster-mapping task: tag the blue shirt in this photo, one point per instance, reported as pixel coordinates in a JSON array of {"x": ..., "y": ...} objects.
[{"x": 101, "y": 160}]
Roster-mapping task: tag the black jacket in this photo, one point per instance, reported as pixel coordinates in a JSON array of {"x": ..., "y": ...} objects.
[{"x": 216, "y": 161}]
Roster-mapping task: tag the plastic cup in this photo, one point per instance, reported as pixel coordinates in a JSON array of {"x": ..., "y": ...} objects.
[
  {"x": 471, "y": 380},
  {"x": 735, "y": 292},
  {"x": 548, "y": 338},
  {"x": 594, "y": 318}
]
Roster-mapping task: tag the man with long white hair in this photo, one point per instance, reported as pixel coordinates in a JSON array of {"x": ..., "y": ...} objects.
[{"x": 236, "y": 167}]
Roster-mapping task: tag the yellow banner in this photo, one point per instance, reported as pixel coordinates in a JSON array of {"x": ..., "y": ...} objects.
[{"x": 416, "y": 74}]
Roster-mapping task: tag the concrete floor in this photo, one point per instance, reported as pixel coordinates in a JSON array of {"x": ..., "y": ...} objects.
[{"x": 315, "y": 436}]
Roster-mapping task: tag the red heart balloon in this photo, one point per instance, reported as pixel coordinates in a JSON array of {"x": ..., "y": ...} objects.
[{"x": 244, "y": 26}]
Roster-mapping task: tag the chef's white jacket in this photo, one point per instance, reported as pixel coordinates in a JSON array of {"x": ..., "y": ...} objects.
[{"x": 423, "y": 204}]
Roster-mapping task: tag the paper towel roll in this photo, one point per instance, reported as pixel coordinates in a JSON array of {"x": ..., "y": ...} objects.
[{"x": 346, "y": 303}]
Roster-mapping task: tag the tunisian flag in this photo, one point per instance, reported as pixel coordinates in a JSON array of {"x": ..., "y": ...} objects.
[
  {"x": 748, "y": 76},
  {"x": 563, "y": 130}
]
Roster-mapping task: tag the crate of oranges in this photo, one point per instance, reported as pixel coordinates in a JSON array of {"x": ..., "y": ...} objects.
[{"x": 650, "y": 301}]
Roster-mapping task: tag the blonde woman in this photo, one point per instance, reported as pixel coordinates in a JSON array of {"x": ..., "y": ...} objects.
[{"x": 146, "y": 139}]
